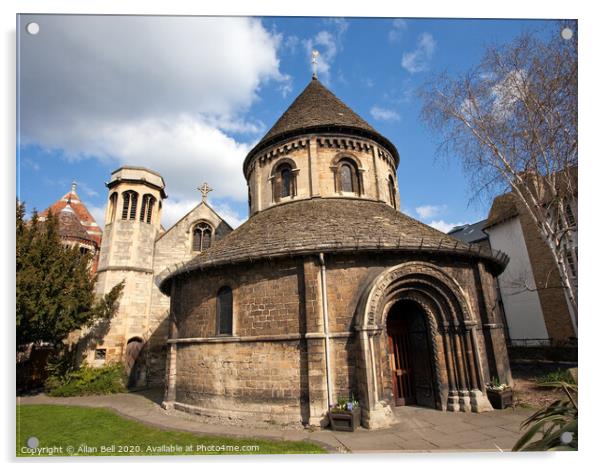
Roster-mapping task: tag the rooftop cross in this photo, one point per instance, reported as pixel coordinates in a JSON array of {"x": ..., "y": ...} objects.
[
  {"x": 204, "y": 189},
  {"x": 314, "y": 62}
]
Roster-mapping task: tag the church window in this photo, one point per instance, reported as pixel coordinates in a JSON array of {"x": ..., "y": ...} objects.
[
  {"x": 130, "y": 203},
  {"x": 112, "y": 206},
  {"x": 392, "y": 193},
  {"x": 146, "y": 212},
  {"x": 100, "y": 354},
  {"x": 224, "y": 311},
  {"x": 283, "y": 181},
  {"x": 201, "y": 237},
  {"x": 347, "y": 178},
  {"x": 285, "y": 176}
]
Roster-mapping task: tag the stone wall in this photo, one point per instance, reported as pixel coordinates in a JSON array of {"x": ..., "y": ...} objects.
[
  {"x": 274, "y": 364},
  {"x": 239, "y": 380},
  {"x": 172, "y": 247},
  {"x": 313, "y": 158}
]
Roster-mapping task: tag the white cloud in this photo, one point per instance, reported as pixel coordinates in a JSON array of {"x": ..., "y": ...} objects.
[
  {"x": 429, "y": 210},
  {"x": 325, "y": 43},
  {"x": 174, "y": 210},
  {"x": 398, "y": 25},
  {"x": 328, "y": 44},
  {"x": 98, "y": 213},
  {"x": 159, "y": 92},
  {"x": 383, "y": 114},
  {"x": 444, "y": 226},
  {"x": 229, "y": 214},
  {"x": 418, "y": 59}
]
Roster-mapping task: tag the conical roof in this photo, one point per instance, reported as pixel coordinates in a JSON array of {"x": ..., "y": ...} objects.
[
  {"x": 328, "y": 225},
  {"x": 318, "y": 109}
]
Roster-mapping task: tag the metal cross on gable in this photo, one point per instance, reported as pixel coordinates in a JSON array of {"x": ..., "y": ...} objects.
[{"x": 204, "y": 189}]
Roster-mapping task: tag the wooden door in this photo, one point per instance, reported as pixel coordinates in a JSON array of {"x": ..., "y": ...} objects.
[
  {"x": 132, "y": 367},
  {"x": 400, "y": 357}
]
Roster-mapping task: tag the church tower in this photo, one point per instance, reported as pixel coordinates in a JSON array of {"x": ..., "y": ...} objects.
[{"x": 132, "y": 224}]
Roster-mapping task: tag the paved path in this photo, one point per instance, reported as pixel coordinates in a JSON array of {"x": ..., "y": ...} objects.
[{"x": 418, "y": 429}]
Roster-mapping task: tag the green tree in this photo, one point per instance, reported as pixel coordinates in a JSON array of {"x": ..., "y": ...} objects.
[{"x": 55, "y": 290}]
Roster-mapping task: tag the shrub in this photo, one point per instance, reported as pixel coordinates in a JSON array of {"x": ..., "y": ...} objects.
[
  {"x": 554, "y": 427},
  {"x": 558, "y": 376},
  {"x": 85, "y": 381}
]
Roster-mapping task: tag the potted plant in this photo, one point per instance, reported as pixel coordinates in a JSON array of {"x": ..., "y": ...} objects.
[
  {"x": 345, "y": 415},
  {"x": 499, "y": 394}
]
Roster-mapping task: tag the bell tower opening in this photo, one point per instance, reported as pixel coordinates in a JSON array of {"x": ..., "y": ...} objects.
[{"x": 410, "y": 356}]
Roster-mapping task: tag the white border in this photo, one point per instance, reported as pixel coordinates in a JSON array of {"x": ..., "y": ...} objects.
[{"x": 589, "y": 72}]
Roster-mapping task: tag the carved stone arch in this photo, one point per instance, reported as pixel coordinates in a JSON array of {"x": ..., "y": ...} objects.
[
  {"x": 283, "y": 160},
  {"x": 377, "y": 291},
  {"x": 455, "y": 356},
  {"x": 281, "y": 188},
  {"x": 347, "y": 155},
  {"x": 354, "y": 166},
  {"x": 451, "y": 310}
]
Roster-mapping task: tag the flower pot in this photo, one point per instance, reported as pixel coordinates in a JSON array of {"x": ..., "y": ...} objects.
[
  {"x": 344, "y": 421},
  {"x": 500, "y": 399}
]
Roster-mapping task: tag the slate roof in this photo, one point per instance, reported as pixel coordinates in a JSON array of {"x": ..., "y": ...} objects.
[
  {"x": 327, "y": 225},
  {"x": 470, "y": 233},
  {"x": 318, "y": 109}
]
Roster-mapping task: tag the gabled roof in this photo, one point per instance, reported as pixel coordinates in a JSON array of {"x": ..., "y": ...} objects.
[
  {"x": 202, "y": 203},
  {"x": 328, "y": 225},
  {"x": 318, "y": 109},
  {"x": 81, "y": 211}
]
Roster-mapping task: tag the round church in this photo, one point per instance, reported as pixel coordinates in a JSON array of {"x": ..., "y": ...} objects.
[{"x": 328, "y": 291}]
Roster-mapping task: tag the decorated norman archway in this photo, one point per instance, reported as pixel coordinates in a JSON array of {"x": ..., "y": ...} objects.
[{"x": 455, "y": 355}]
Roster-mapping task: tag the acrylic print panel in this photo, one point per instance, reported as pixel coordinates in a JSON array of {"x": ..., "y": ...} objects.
[{"x": 237, "y": 228}]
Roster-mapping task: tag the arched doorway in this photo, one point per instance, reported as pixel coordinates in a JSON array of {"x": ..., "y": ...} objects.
[
  {"x": 410, "y": 356},
  {"x": 133, "y": 362},
  {"x": 422, "y": 291}
]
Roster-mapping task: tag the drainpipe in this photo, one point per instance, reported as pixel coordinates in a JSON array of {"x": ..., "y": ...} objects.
[{"x": 325, "y": 320}]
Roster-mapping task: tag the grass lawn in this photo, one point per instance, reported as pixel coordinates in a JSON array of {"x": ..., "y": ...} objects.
[{"x": 83, "y": 431}]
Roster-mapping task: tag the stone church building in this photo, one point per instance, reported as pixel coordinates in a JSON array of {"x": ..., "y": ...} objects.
[
  {"x": 326, "y": 291},
  {"x": 135, "y": 247}
]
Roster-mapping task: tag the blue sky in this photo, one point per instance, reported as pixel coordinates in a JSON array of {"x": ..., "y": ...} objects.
[{"x": 189, "y": 97}]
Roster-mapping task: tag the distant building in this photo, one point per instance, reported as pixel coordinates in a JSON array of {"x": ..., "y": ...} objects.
[
  {"x": 531, "y": 300},
  {"x": 135, "y": 249},
  {"x": 76, "y": 225},
  {"x": 536, "y": 307}
]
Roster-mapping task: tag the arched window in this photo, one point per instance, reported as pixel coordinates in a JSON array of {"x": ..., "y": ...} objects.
[
  {"x": 283, "y": 181},
  {"x": 392, "y": 193},
  {"x": 347, "y": 177},
  {"x": 224, "y": 311},
  {"x": 112, "y": 207},
  {"x": 146, "y": 212},
  {"x": 201, "y": 237},
  {"x": 130, "y": 203}
]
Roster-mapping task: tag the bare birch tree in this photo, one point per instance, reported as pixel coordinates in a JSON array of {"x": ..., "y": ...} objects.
[{"x": 513, "y": 123}]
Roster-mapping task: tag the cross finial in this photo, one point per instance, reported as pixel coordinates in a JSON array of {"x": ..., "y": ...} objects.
[
  {"x": 314, "y": 63},
  {"x": 73, "y": 186},
  {"x": 204, "y": 189}
]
